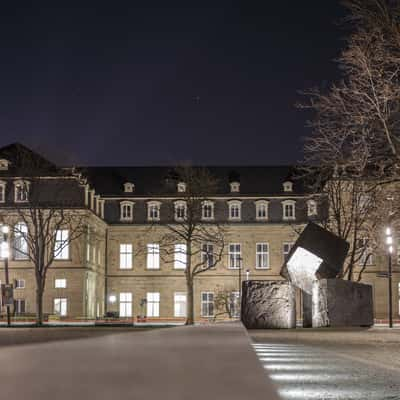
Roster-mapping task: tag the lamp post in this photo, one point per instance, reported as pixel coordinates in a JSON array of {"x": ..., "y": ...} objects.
[
  {"x": 5, "y": 254},
  {"x": 247, "y": 274},
  {"x": 389, "y": 243}
]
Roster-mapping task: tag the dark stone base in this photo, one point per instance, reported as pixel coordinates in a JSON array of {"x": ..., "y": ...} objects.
[
  {"x": 268, "y": 305},
  {"x": 337, "y": 302}
]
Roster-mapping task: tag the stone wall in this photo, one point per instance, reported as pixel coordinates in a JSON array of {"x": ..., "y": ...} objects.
[
  {"x": 338, "y": 302},
  {"x": 268, "y": 304}
]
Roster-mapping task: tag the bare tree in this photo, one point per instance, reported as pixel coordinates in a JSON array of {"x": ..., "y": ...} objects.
[
  {"x": 353, "y": 153},
  {"x": 195, "y": 227},
  {"x": 45, "y": 220}
]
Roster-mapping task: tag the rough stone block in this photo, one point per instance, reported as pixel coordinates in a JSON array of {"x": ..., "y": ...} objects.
[
  {"x": 337, "y": 302},
  {"x": 268, "y": 304}
]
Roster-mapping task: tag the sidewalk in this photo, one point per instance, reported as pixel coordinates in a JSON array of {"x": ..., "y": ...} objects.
[{"x": 182, "y": 363}]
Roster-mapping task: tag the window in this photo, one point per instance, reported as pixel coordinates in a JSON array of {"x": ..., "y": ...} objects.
[
  {"x": 235, "y": 210},
  {"x": 60, "y": 283},
  {"x": 153, "y": 304},
  {"x": 180, "y": 256},
  {"x": 19, "y": 306},
  {"x": 180, "y": 210},
  {"x": 4, "y": 164},
  {"x": 235, "y": 255},
  {"x": 181, "y": 187},
  {"x": 2, "y": 192},
  {"x": 287, "y": 186},
  {"x": 207, "y": 210},
  {"x": 19, "y": 284},
  {"x": 365, "y": 252},
  {"x": 60, "y": 306},
  {"x": 125, "y": 256},
  {"x": 61, "y": 247},
  {"x": 286, "y": 250},
  {"x": 289, "y": 209},
  {"x": 125, "y": 305},
  {"x": 179, "y": 304},
  {"x": 235, "y": 187},
  {"x": 207, "y": 304},
  {"x": 234, "y": 304},
  {"x": 262, "y": 255},
  {"x": 21, "y": 241},
  {"x": 126, "y": 211},
  {"x": 261, "y": 210},
  {"x": 21, "y": 190},
  {"x": 129, "y": 187},
  {"x": 311, "y": 208},
  {"x": 153, "y": 211},
  {"x": 207, "y": 255},
  {"x": 153, "y": 256}
]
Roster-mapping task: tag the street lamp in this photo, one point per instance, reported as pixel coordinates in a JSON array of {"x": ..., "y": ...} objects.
[
  {"x": 389, "y": 244},
  {"x": 5, "y": 253},
  {"x": 247, "y": 274}
]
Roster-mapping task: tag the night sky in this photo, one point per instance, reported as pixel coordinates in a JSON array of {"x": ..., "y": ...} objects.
[{"x": 161, "y": 82}]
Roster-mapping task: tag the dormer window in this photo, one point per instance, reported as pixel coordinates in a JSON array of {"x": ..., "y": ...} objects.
[
  {"x": 261, "y": 210},
  {"x": 235, "y": 210},
  {"x": 180, "y": 210},
  {"x": 311, "y": 208},
  {"x": 129, "y": 187},
  {"x": 4, "y": 164},
  {"x": 126, "y": 210},
  {"x": 289, "y": 210},
  {"x": 21, "y": 191},
  {"x": 2, "y": 192},
  {"x": 207, "y": 210},
  {"x": 181, "y": 187},
  {"x": 288, "y": 186},
  {"x": 153, "y": 210},
  {"x": 235, "y": 187}
]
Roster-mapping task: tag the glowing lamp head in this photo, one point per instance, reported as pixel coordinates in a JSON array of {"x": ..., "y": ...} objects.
[
  {"x": 5, "y": 229},
  {"x": 389, "y": 240},
  {"x": 112, "y": 298},
  {"x": 390, "y": 249},
  {"x": 388, "y": 231}
]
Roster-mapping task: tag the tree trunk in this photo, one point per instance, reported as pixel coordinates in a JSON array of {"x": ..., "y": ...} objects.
[
  {"x": 39, "y": 306},
  {"x": 190, "y": 301}
]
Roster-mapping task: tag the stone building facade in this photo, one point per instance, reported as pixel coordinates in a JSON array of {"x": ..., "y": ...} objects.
[{"x": 117, "y": 265}]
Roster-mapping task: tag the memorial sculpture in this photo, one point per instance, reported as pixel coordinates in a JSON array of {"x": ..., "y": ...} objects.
[{"x": 312, "y": 266}]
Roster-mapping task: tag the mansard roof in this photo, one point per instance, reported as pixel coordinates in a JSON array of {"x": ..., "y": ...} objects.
[{"x": 156, "y": 181}]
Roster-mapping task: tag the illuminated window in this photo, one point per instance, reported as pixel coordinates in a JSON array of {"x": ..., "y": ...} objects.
[
  {"x": 61, "y": 246},
  {"x": 60, "y": 283},
  {"x": 234, "y": 304},
  {"x": 126, "y": 210},
  {"x": 19, "y": 284},
  {"x": 125, "y": 256},
  {"x": 129, "y": 187},
  {"x": 207, "y": 304},
  {"x": 19, "y": 306},
  {"x": 153, "y": 304},
  {"x": 180, "y": 304},
  {"x": 153, "y": 256},
  {"x": 207, "y": 255},
  {"x": 180, "y": 257},
  {"x": 262, "y": 255},
  {"x": 125, "y": 305},
  {"x": 60, "y": 306},
  {"x": 21, "y": 241},
  {"x": 235, "y": 255}
]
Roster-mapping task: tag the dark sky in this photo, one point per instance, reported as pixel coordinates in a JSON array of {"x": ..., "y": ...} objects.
[{"x": 155, "y": 82}]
